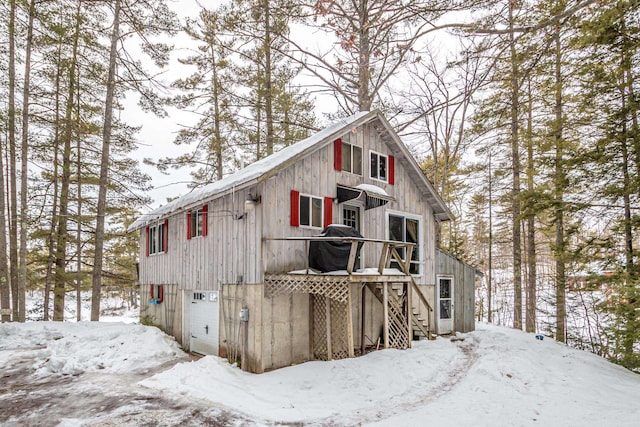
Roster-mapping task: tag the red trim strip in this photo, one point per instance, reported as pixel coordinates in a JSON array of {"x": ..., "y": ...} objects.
[
  {"x": 189, "y": 225},
  {"x": 146, "y": 240},
  {"x": 165, "y": 236},
  {"x": 328, "y": 211},
  {"x": 337, "y": 154},
  {"x": 295, "y": 208},
  {"x": 151, "y": 293},
  {"x": 392, "y": 170},
  {"x": 205, "y": 216}
]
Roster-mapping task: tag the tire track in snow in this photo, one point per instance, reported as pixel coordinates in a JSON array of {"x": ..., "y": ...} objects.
[{"x": 468, "y": 349}]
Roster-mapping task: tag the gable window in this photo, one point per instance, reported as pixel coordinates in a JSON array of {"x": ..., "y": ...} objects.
[
  {"x": 378, "y": 167},
  {"x": 157, "y": 238},
  {"x": 197, "y": 222},
  {"x": 351, "y": 158},
  {"x": 403, "y": 228}
]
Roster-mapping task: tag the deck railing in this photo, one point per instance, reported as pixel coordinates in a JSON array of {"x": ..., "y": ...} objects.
[{"x": 389, "y": 253}]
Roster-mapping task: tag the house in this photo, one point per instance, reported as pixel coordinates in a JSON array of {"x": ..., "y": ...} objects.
[{"x": 226, "y": 267}]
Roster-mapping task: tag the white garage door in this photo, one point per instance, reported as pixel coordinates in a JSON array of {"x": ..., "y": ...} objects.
[{"x": 204, "y": 315}]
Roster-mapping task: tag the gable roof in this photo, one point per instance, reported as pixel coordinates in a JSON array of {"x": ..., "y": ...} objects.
[{"x": 269, "y": 166}]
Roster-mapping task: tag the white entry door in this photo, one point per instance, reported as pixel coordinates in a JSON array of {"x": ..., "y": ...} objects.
[
  {"x": 204, "y": 315},
  {"x": 445, "y": 304}
]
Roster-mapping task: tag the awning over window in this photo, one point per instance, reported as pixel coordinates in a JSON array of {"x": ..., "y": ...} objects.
[{"x": 370, "y": 195}]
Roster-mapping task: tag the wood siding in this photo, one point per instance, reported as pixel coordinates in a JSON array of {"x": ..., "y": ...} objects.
[
  {"x": 236, "y": 251},
  {"x": 464, "y": 287},
  {"x": 315, "y": 175}
]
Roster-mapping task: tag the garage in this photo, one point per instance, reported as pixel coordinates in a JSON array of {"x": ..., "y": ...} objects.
[{"x": 204, "y": 321}]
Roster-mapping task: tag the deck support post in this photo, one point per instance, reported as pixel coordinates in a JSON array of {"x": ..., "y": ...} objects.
[
  {"x": 328, "y": 312},
  {"x": 363, "y": 307},
  {"x": 409, "y": 311},
  {"x": 350, "y": 324},
  {"x": 385, "y": 307}
]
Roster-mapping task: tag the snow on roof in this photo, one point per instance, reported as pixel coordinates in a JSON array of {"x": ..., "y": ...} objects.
[
  {"x": 248, "y": 174},
  {"x": 372, "y": 189}
]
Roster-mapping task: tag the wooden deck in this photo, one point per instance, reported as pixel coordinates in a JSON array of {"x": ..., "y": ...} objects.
[{"x": 332, "y": 304}]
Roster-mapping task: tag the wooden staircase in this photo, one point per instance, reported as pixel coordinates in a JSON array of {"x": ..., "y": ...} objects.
[{"x": 421, "y": 327}]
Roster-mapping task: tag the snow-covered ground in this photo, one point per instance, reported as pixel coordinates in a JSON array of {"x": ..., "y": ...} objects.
[{"x": 108, "y": 374}]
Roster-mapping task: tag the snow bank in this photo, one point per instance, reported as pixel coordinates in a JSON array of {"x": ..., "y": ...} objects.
[
  {"x": 75, "y": 348},
  {"x": 491, "y": 377},
  {"x": 342, "y": 389}
]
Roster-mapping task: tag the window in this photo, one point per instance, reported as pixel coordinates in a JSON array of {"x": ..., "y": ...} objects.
[
  {"x": 157, "y": 238},
  {"x": 197, "y": 222},
  {"x": 378, "y": 168},
  {"x": 406, "y": 229},
  {"x": 311, "y": 211},
  {"x": 156, "y": 294},
  {"x": 351, "y": 158}
]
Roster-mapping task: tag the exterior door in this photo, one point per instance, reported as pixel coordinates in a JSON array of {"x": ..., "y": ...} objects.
[
  {"x": 351, "y": 217},
  {"x": 445, "y": 304},
  {"x": 204, "y": 321}
]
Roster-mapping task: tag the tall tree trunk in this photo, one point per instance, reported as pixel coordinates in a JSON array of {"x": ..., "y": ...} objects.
[
  {"x": 515, "y": 194},
  {"x": 217, "y": 134},
  {"x": 489, "y": 280},
  {"x": 530, "y": 321},
  {"x": 5, "y": 292},
  {"x": 560, "y": 179},
  {"x": 364, "y": 61},
  {"x": 51, "y": 244},
  {"x": 79, "y": 214},
  {"x": 13, "y": 183},
  {"x": 96, "y": 281},
  {"x": 268, "y": 78},
  {"x": 68, "y": 133},
  {"x": 24, "y": 168}
]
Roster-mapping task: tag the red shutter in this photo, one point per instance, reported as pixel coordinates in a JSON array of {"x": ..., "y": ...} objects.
[
  {"x": 295, "y": 208},
  {"x": 205, "y": 215},
  {"x": 189, "y": 225},
  {"x": 392, "y": 178},
  {"x": 328, "y": 211},
  {"x": 151, "y": 291},
  {"x": 160, "y": 293},
  {"x": 165, "y": 236},
  {"x": 146, "y": 240},
  {"x": 337, "y": 154}
]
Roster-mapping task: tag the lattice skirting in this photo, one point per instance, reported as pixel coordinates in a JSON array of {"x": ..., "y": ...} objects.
[
  {"x": 335, "y": 287},
  {"x": 398, "y": 325},
  {"x": 330, "y": 315}
]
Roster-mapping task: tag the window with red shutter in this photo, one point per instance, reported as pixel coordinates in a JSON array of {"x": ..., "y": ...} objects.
[{"x": 392, "y": 171}]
